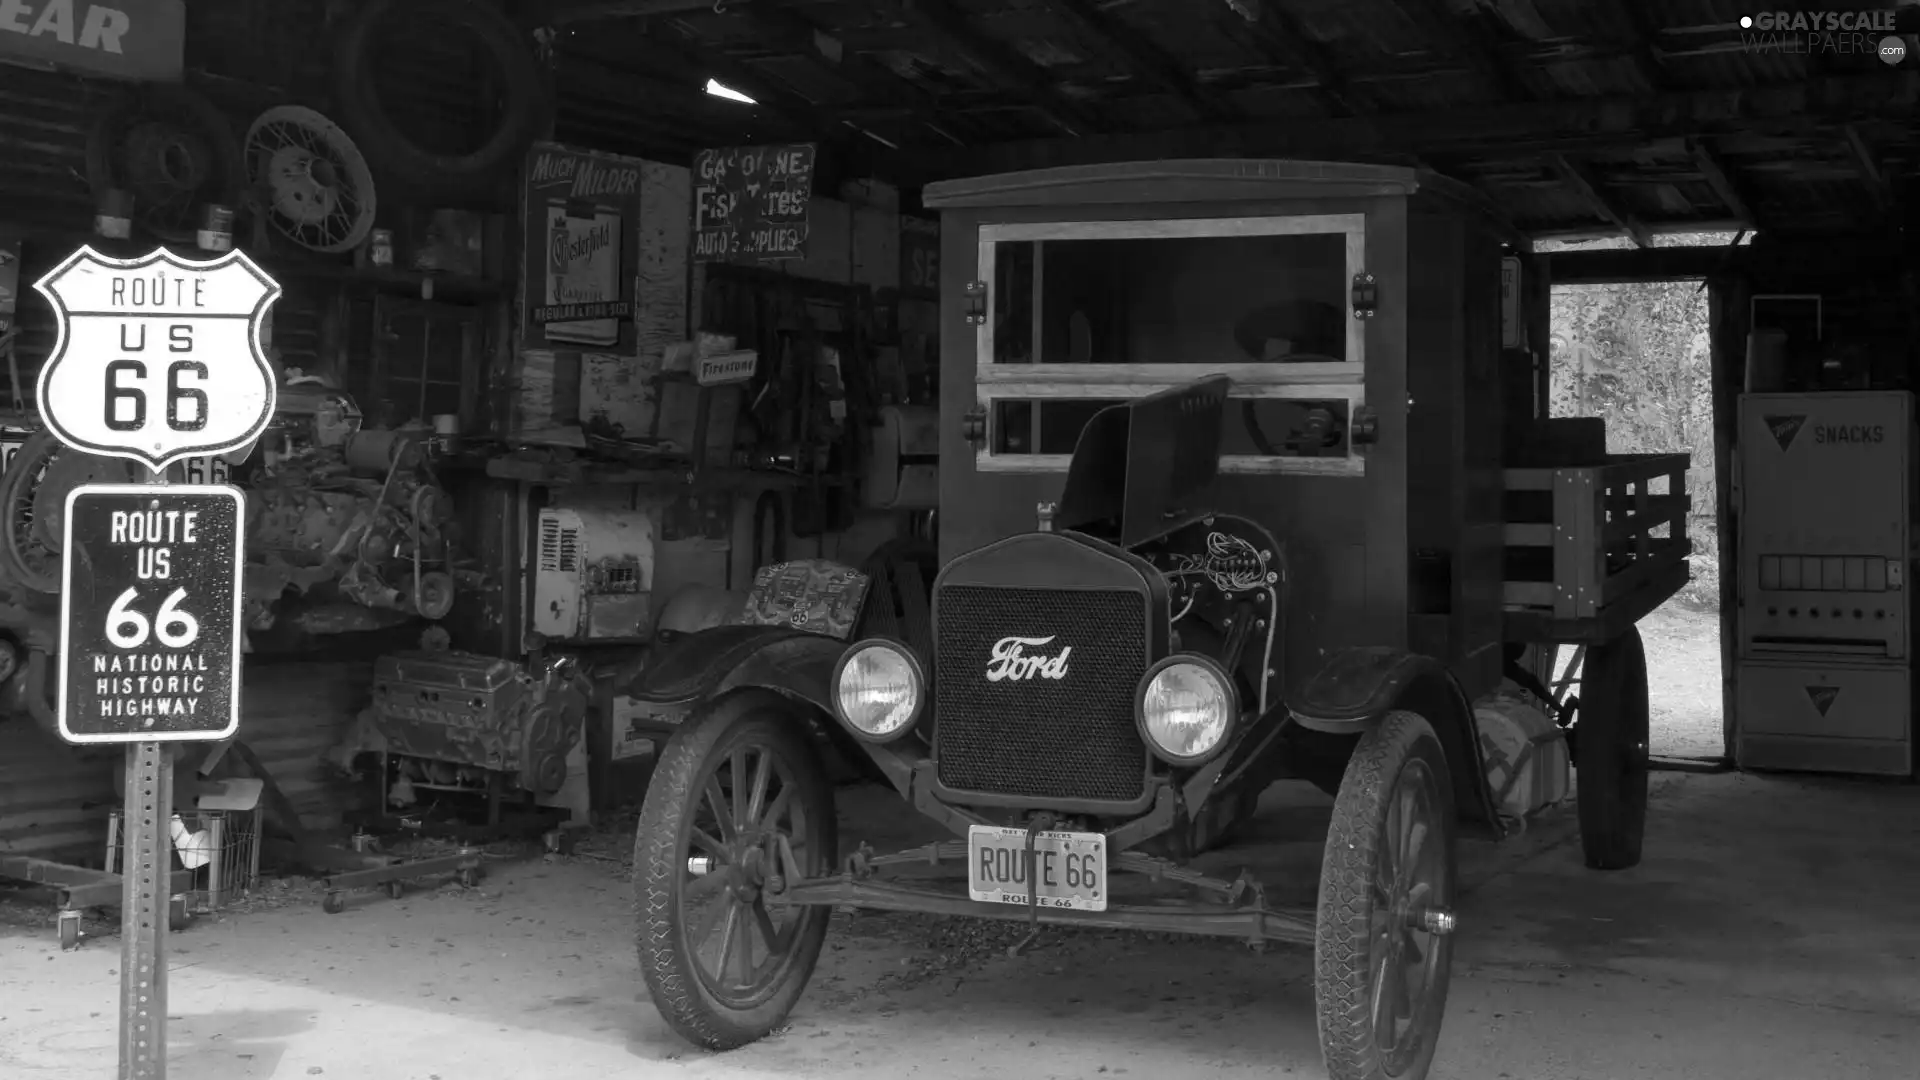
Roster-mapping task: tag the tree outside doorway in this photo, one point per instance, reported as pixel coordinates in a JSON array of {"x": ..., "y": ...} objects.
[{"x": 1639, "y": 356}]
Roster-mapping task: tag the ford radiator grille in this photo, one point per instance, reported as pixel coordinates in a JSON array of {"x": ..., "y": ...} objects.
[{"x": 1018, "y": 714}]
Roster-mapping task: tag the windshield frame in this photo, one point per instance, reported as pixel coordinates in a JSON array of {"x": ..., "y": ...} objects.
[{"x": 999, "y": 382}]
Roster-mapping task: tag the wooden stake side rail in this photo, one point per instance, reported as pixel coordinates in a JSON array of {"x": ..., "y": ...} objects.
[{"x": 1582, "y": 560}]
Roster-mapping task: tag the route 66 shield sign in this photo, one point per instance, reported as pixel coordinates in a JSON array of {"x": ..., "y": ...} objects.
[{"x": 158, "y": 358}]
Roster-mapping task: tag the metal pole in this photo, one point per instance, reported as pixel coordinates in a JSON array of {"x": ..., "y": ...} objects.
[
  {"x": 144, "y": 902},
  {"x": 146, "y": 884}
]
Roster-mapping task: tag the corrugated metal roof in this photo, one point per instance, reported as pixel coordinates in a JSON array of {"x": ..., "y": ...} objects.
[{"x": 1395, "y": 59}]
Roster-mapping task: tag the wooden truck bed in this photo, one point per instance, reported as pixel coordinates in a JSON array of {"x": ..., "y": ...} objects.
[{"x": 1590, "y": 549}]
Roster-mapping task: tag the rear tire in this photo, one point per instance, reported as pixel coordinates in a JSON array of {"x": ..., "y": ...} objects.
[
  {"x": 1386, "y": 906},
  {"x": 695, "y": 810},
  {"x": 1611, "y": 752}
]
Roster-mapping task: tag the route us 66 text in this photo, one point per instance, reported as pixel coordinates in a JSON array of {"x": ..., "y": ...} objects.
[{"x": 155, "y": 684}]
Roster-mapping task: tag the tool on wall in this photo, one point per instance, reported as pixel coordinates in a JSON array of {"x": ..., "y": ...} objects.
[{"x": 798, "y": 402}]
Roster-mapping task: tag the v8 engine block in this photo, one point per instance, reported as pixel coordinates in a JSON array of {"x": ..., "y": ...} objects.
[{"x": 482, "y": 712}]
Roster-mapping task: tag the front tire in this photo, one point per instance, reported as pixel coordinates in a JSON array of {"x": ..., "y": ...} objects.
[
  {"x": 730, "y": 786},
  {"x": 1383, "y": 948}
]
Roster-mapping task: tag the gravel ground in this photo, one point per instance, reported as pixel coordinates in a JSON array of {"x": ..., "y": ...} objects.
[
  {"x": 1683, "y": 680},
  {"x": 1560, "y": 974},
  {"x": 1683, "y": 676}
]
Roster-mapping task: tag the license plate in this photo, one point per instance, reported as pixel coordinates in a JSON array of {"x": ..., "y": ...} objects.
[
  {"x": 200, "y": 470},
  {"x": 1070, "y": 867},
  {"x": 208, "y": 470}
]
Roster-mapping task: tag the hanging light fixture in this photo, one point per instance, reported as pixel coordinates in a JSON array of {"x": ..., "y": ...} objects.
[{"x": 718, "y": 90}]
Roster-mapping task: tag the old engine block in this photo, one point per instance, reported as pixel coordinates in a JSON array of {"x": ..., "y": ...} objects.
[{"x": 480, "y": 712}]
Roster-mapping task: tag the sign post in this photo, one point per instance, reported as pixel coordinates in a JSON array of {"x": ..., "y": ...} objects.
[{"x": 158, "y": 360}]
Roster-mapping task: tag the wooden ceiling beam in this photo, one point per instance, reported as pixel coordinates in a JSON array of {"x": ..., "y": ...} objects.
[
  {"x": 575, "y": 12},
  {"x": 1523, "y": 130},
  {"x": 1804, "y": 258},
  {"x": 1878, "y": 187},
  {"x": 1476, "y": 53},
  {"x": 1284, "y": 40},
  {"x": 1587, "y": 186},
  {"x": 791, "y": 108},
  {"x": 1494, "y": 69},
  {"x": 1639, "y": 47},
  {"x": 1714, "y": 170},
  {"x": 1653, "y": 68},
  {"x": 1005, "y": 63},
  {"x": 1149, "y": 59},
  {"x": 809, "y": 39}
]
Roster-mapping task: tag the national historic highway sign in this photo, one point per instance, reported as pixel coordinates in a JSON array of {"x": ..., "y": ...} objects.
[
  {"x": 150, "y": 613},
  {"x": 158, "y": 358}
]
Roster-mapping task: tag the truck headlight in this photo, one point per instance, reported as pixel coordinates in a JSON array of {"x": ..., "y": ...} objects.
[
  {"x": 878, "y": 689},
  {"x": 1185, "y": 707}
]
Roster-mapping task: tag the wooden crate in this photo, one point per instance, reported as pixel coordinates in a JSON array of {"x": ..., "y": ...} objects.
[{"x": 1582, "y": 560}]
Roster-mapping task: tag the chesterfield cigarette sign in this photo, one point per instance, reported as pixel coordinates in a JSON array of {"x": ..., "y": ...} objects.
[
  {"x": 583, "y": 235},
  {"x": 139, "y": 40}
]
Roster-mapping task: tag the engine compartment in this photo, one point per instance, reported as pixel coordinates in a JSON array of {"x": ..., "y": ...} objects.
[{"x": 1226, "y": 583}]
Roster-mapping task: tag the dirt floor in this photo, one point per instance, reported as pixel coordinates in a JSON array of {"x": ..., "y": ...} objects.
[
  {"x": 1683, "y": 680},
  {"x": 1766, "y": 937}
]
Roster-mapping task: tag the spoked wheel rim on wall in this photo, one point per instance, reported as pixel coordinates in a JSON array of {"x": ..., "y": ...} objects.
[
  {"x": 33, "y": 494},
  {"x": 738, "y": 801},
  {"x": 1383, "y": 953}
]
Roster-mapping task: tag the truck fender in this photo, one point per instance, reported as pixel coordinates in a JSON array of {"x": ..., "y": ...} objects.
[
  {"x": 702, "y": 670},
  {"x": 793, "y": 663},
  {"x": 1358, "y": 686}
]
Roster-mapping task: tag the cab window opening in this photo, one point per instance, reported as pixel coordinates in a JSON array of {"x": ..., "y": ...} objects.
[{"x": 1200, "y": 300}]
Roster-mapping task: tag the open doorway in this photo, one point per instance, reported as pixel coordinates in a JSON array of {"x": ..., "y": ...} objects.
[{"x": 1639, "y": 356}]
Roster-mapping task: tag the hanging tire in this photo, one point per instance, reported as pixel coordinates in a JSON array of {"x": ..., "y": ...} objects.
[
  {"x": 1384, "y": 947},
  {"x": 173, "y": 151},
  {"x": 727, "y": 785},
  {"x": 507, "y": 49},
  {"x": 1610, "y": 746}
]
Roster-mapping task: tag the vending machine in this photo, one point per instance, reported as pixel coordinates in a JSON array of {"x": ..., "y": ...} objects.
[{"x": 1822, "y": 497}]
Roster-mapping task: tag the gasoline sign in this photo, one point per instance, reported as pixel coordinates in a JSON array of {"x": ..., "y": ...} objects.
[
  {"x": 158, "y": 358},
  {"x": 150, "y": 613}
]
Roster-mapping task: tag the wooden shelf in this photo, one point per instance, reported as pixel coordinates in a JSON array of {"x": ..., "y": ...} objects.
[
  {"x": 588, "y": 472},
  {"x": 449, "y": 287}
]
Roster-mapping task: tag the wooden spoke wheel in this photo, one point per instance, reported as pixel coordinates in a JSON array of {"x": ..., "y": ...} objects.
[
  {"x": 33, "y": 496},
  {"x": 724, "y": 958},
  {"x": 32, "y": 560},
  {"x": 1384, "y": 948},
  {"x": 1610, "y": 752}
]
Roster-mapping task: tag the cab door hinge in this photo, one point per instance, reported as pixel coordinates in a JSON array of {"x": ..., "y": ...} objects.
[
  {"x": 1366, "y": 296},
  {"x": 973, "y": 426},
  {"x": 976, "y": 303}
]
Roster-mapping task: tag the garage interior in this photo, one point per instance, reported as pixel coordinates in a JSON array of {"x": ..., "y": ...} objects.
[{"x": 1766, "y": 933}]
